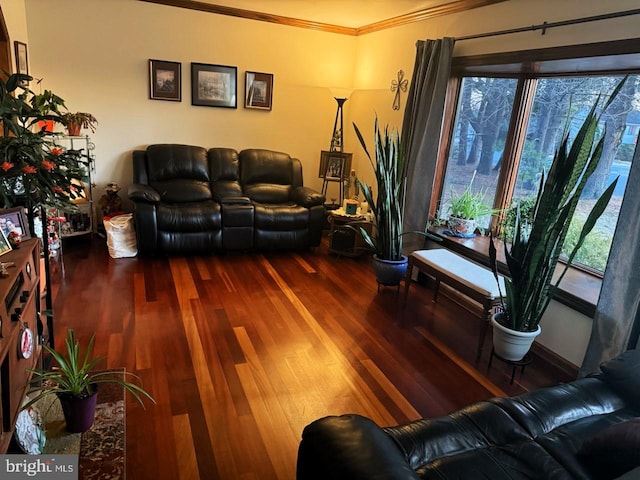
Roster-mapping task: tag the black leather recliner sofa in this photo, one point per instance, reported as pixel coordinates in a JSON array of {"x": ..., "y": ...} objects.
[
  {"x": 191, "y": 200},
  {"x": 586, "y": 429}
]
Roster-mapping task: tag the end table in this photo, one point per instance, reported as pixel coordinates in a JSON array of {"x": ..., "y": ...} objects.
[{"x": 344, "y": 240}]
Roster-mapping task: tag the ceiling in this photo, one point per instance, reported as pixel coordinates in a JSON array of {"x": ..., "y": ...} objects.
[{"x": 345, "y": 13}]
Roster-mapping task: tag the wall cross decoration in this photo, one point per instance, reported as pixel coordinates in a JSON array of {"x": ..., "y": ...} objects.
[{"x": 397, "y": 86}]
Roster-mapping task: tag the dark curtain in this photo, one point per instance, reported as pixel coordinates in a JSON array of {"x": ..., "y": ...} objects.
[
  {"x": 421, "y": 129},
  {"x": 616, "y": 324}
]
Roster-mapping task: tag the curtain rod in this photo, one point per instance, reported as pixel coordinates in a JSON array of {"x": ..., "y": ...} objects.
[{"x": 544, "y": 26}]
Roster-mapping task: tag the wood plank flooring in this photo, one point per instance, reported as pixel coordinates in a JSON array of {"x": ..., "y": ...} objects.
[{"x": 242, "y": 350}]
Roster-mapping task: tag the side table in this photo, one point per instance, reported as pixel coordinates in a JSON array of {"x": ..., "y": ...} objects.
[{"x": 344, "y": 240}]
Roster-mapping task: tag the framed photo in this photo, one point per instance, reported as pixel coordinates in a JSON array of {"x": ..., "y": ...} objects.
[
  {"x": 258, "y": 90},
  {"x": 165, "y": 80},
  {"x": 214, "y": 85},
  {"x": 22, "y": 61},
  {"x": 14, "y": 220},
  {"x": 335, "y": 165},
  {"x": 5, "y": 246}
]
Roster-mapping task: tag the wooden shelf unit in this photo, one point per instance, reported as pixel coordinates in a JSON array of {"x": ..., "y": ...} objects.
[{"x": 21, "y": 293}]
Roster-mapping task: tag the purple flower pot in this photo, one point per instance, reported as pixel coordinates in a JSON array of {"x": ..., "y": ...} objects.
[{"x": 79, "y": 413}]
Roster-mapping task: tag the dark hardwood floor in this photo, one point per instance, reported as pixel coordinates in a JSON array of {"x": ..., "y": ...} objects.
[{"x": 242, "y": 350}]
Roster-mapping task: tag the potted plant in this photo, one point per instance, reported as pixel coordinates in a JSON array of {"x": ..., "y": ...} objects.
[
  {"x": 34, "y": 171},
  {"x": 533, "y": 251},
  {"x": 390, "y": 170},
  {"x": 465, "y": 209},
  {"x": 75, "y": 380},
  {"x": 77, "y": 121}
]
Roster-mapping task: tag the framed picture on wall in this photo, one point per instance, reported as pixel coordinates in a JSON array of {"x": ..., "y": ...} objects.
[
  {"x": 258, "y": 90},
  {"x": 22, "y": 60},
  {"x": 165, "y": 80},
  {"x": 214, "y": 85}
]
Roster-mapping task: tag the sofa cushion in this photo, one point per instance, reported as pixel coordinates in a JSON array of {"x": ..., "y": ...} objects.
[
  {"x": 180, "y": 173},
  {"x": 268, "y": 192},
  {"x": 189, "y": 217},
  {"x": 622, "y": 374},
  {"x": 288, "y": 217},
  {"x": 266, "y": 176},
  {"x": 613, "y": 451},
  {"x": 224, "y": 166}
]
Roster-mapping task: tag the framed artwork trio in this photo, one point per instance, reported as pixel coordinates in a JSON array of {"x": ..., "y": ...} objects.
[{"x": 211, "y": 85}]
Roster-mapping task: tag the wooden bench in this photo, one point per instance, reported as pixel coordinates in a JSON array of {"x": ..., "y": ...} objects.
[{"x": 465, "y": 276}]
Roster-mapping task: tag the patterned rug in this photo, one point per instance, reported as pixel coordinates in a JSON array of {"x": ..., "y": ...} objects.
[{"x": 102, "y": 447}]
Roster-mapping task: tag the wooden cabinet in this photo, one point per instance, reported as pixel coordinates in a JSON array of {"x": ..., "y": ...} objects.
[{"x": 21, "y": 331}]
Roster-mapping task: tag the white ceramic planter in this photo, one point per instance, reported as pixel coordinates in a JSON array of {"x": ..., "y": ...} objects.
[
  {"x": 511, "y": 344},
  {"x": 461, "y": 226}
]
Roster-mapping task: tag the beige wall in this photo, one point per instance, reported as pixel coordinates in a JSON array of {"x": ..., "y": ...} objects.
[
  {"x": 94, "y": 54},
  {"x": 16, "y": 21}
]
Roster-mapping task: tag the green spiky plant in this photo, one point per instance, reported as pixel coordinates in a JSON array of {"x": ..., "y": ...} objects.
[
  {"x": 470, "y": 204},
  {"x": 76, "y": 375},
  {"x": 389, "y": 167},
  {"x": 534, "y": 252}
]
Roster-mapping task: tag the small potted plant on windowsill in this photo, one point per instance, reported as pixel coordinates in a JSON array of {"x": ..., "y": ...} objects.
[
  {"x": 77, "y": 121},
  {"x": 466, "y": 209},
  {"x": 75, "y": 380}
]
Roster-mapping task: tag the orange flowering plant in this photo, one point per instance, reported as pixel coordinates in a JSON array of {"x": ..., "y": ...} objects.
[{"x": 33, "y": 169}]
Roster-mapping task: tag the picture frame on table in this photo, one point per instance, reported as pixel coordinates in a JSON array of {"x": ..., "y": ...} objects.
[
  {"x": 258, "y": 90},
  {"x": 214, "y": 85},
  {"x": 5, "y": 246},
  {"x": 22, "y": 60},
  {"x": 165, "y": 80},
  {"x": 14, "y": 220},
  {"x": 333, "y": 164}
]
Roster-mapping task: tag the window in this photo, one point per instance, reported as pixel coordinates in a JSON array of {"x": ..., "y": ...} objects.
[
  {"x": 509, "y": 120},
  {"x": 477, "y": 146}
]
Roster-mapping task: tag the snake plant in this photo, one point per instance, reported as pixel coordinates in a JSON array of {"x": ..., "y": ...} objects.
[
  {"x": 388, "y": 206},
  {"x": 533, "y": 252}
]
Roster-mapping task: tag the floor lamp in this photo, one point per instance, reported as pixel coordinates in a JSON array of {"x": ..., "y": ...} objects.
[{"x": 337, "y": 144}]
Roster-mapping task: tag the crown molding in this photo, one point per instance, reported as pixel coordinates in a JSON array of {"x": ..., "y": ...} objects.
[
  {"x": 447, "y": 9},
  {"x": 251, "y": 15}
]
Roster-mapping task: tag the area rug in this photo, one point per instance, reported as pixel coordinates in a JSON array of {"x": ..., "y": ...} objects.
[{"x": 102, "y": 447}]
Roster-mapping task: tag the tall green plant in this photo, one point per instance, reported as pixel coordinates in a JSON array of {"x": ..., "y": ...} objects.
[
  {"x": 533, "y": 255},
  {"x": 387, "y": 207}
]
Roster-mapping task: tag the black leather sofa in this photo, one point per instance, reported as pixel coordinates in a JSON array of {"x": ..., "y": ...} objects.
[
  {"x": 191, "y": 200},
  {"x": 587, "y": 429}
]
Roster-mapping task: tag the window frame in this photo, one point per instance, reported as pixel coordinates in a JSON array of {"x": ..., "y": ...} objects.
[{"x": 618, "y": 57}]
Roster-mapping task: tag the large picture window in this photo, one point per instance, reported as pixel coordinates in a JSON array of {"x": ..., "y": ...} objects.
[{"x": 505, "y": 130}]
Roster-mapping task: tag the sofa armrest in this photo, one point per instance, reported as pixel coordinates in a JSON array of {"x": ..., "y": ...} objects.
[
  {"x": 235, "y": 200},
  {"x": 307, "y": 197},
  {"x": 350, "y": 447},
  {"x": 143, "y": 193}
]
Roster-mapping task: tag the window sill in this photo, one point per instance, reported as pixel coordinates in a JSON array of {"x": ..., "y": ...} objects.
[{"x": 579, "y": 290}]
